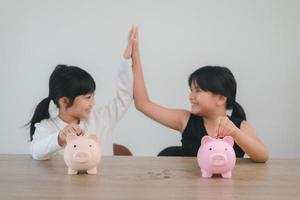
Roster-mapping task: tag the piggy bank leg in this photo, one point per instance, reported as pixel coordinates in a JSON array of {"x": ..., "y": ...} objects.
[
  {"x": 206, "y": 174},
  {"x": 227, "y": 175},
  {"x": 72, "y": 171},
  {"x": 92, "y": 171}
]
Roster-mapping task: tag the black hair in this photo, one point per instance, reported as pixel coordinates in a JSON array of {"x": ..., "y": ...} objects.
[
  {"x": 65, "y": 81},
  {"x": 219, "y": 80}
]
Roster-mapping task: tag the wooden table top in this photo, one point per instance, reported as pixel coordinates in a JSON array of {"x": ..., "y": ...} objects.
[{"x": 21, "y": 177}]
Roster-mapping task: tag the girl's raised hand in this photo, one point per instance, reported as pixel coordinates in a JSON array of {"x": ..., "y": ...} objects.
[
  {"x": 128, "y": 51},
  {"x": 73, "y": 129},
  {"x": 226, "y": 127},
  {"x": 135, "y": 46}
]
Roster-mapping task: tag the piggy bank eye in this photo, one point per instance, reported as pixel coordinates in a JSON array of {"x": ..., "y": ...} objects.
[
  {"x": 90, "y": 145},
  {"x": 210, "y": 149},
  {"x": 74, "y": 145},
  {"x": 225, "y": 149}
]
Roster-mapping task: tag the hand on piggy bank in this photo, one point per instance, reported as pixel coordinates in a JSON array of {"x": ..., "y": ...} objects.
[
  {"x": 82, "y": 153},
  {"x": 216, "y": 156}
]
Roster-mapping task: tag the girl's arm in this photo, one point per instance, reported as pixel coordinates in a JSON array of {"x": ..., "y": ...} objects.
[
  {"x": 172, "y": 118},
  {"x": 245, "y": 137},
  {"x": 45, "y": 142},
  {"x": 117, "y": 107},
  {"x": 114, "y": 110}
]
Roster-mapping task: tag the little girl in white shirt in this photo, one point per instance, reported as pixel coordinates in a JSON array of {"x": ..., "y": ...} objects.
[{"x": 72, "y": 91}]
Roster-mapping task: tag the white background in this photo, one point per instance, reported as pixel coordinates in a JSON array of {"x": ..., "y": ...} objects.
[{"x": 258, "y": 40}]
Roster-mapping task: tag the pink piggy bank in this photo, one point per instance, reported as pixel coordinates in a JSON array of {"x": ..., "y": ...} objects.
[
  {"x": 82, "y": 153},
  {"x": 216, "y": 156}
]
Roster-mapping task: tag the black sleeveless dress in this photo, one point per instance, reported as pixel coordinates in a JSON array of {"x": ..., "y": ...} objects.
[{"x": 195, "y": 130}]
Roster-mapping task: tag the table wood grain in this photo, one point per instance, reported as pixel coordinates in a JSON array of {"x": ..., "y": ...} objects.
[{"x": 21, "y": 177}]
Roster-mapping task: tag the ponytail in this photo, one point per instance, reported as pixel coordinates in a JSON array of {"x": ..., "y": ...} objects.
[
  {"x": 238, "y": 111},
  {"x": 41, "y": 112}
]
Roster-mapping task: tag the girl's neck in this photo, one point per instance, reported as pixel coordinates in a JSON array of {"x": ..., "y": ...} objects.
[
  {"x": 211, "y": 122},
  {"x": 213, "y": 117},
  {"x": 68, "y": 118}
]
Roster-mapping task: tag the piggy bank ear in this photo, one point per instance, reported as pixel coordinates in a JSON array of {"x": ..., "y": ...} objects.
[
  {"x": 70, "y": 137},
  {"x": 94, "y": 137},
  {"x": 206, "y": 139},
  {"x": 229, "y": 140}
]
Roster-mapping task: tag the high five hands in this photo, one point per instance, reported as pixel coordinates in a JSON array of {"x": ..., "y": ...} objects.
[{"x": 132, "y": 36}]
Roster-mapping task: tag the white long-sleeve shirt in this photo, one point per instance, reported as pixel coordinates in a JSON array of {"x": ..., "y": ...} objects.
[{"x": 101, "y": 121}]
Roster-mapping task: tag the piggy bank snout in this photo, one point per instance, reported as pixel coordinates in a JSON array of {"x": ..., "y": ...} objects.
[
  {"x": 81, "y": 156},
  {"x": 218, "y": 159}
]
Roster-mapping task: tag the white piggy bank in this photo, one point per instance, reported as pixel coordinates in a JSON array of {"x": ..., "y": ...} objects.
[{"x": 82, "y": 153}]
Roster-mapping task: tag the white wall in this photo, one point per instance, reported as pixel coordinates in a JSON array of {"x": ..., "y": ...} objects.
[{"x": 258, "y": 40}]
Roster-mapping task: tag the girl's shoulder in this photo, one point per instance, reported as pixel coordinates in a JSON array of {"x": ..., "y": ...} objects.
[
  {"x": 193, "y": 122},
  {"x": 50, "y": 122},
  {"x": 247, "y": 126},
  {"x": 243, "y": 125},
  {"x": 237, "y": 121},
  {"x": 195, "y": 118}
]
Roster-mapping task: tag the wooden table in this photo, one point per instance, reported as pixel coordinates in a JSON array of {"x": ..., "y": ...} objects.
[{"x": 21, "y": 177}]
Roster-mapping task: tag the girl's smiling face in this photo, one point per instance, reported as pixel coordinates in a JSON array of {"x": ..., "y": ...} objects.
[
  {"x": 82, "y": 106},
  {"x": 203, "y": 102}
]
